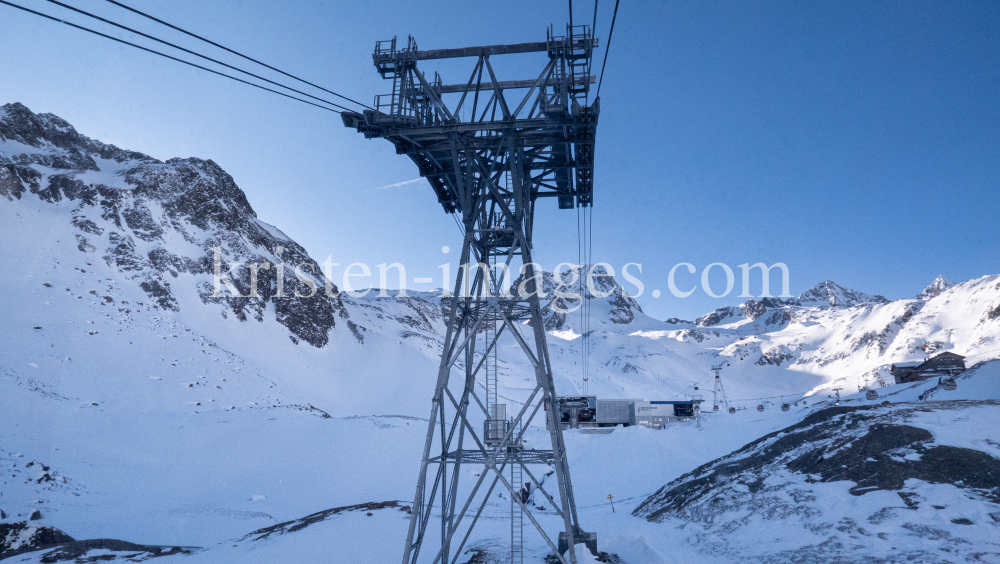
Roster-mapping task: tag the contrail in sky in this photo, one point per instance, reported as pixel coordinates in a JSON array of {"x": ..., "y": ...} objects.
[{"x": 398, "y": 184}]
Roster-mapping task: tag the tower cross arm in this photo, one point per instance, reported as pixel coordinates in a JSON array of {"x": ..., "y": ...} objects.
[
  {"x": 531, "y": 47},
  {"x": 511, "y": 84}
]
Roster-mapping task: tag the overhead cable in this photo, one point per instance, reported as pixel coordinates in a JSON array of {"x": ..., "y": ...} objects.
[
  {"x": 607, "y": 48},
  {"x": 590, "y": 60},
  {"x": 571, "y": 21},
  {"x": 237, "y": 53},
  {"x": 118, "y": 25},
  {"x": 80, "y": 27}
]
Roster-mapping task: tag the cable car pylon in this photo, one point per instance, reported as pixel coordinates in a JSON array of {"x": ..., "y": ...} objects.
[
  {"x": 469, "y": 140},
  {"x": 718, "y": 392}
]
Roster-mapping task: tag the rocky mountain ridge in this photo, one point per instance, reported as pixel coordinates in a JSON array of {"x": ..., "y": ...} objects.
[
  {"x": 774, "y": 313},
  {"x": 135, "y": 212}
]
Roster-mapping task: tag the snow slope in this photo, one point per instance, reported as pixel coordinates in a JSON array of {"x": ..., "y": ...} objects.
[
  {"x": 915, "y": 481},
  {"x": 138, "y": 406}
]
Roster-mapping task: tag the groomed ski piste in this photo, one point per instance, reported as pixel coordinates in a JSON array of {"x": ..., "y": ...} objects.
[{"x": 137, "y": 408}]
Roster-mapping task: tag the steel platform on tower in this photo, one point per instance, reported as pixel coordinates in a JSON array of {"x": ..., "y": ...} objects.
[{"x": 490, "y": 152}]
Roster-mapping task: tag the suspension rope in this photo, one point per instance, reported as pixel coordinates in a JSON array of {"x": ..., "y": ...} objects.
[
  {"x": 178, "y": 47},
  {"x": 590, "y": 60},
  {"x": 237, "y": 53},
  {"x": 80, "y": 27},
  {"x": 579, "y": 260},
  {"x": 803, "y": 396},
  {"x": 593, "y": 26},
  {"x": 607, "y": 48},
  {"x": 984, "y": 352},
  {"x": 590, "y": 260},
  {"x": 583, "y": 295}
]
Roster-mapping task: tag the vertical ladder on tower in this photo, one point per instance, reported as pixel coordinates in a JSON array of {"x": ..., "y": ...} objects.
[
  {"x": 578, "y": 53},
  {"x": 492, "y": 327},
  {"x": 490, "y": 365},
  {"x": 516, "y": 515},
  {"x": 554, "y": 99}
]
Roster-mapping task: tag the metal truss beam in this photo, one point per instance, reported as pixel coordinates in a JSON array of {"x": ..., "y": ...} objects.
[
  {"x": 532, "y": 47},
  {"x": 504, "y": 84}
]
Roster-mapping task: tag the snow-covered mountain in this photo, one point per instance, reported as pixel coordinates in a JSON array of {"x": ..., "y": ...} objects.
[
  {"x": 934, "y": 289},
  {"x": 157, "y": 225},
  {"x": 833, "y": 294},
  {"x": 130, "y": 392},
  {"x": 155, "y": 221},
  {"x": 775, "y": 310},
  {"x": 182, "y": 416},
  {"x": 860, "y": 482}
]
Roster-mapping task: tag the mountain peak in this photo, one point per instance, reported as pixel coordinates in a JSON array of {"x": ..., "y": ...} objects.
[
  {"x": 144, "y": 207},
  {"x": 57, "y": 144},
  {"x": 829, "y": 293},
  {"x": 18, "y": 123},
  {"x": 940, "y": 284},
  {"x": 615, "y": 304}
]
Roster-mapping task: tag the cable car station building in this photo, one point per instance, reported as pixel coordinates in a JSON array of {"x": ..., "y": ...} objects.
[{"x": 582, "y": 412}]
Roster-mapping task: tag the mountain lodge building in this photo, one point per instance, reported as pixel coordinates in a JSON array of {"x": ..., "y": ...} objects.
[{"x": 943, "y": 364}]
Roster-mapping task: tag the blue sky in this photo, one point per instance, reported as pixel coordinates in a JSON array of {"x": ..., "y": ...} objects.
[{"x": 853, "y": 141}]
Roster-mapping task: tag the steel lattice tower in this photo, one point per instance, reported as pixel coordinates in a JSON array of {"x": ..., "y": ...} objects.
[
  {"x": 490, "y": 170},
  {"x": 719, "y": 391}
]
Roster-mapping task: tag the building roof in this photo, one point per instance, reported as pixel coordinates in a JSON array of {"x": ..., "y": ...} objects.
[
  {"x": 675, "y": 402},
  {"x": 946, "y": 353}
]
